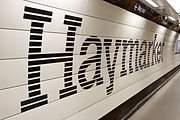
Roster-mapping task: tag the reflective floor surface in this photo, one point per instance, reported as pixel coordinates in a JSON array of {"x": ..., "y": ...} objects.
[{"x": 164, "y": 105}]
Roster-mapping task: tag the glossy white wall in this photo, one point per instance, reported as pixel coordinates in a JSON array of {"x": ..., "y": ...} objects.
[{"x": 99, "y": 19}]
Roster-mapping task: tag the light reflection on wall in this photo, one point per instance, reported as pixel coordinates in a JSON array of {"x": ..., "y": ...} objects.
[{"x": 178, "y": 46}]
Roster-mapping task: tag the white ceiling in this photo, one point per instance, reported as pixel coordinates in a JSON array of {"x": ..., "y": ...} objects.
[
  {"x": 164, "y": 8},
  {"x": 175, "y": 4}
]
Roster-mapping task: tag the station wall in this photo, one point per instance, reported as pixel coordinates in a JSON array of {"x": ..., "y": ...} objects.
[{"x": 76, "y": 59}]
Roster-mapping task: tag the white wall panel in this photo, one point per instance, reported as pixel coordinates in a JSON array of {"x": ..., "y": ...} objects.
[
  {"x": 56, "y": 76},
  {"x": 13, "y": 73},
  {"x": 12, "y": 18},
  {"x": 10, "y": 98},
  {"x": 8, "y": 16},
  {"x": 70, "y": 5},
  {"x": 14, "y": 44},
  {"x": 153, "y": 27},
  {"x": 94, "y": 26},
  {"x": 104, "y": 10}
]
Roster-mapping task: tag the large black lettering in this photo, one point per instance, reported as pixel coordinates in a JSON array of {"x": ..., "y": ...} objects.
[
  {"x": 136, "y": 56},
  {"x": 111, "y": 67},
  {"x": 154, "y": 54},
  {"x": 72, "y": 22},
  {"x": 150, "y": 44},
  {"x": 35, "y": 99},
  {"x": 95, "y": 59},
  {"x": 125, "y": 45},
  {"x": 131, "y": 56},
  {"x": 143, "y": 55},
  {"x": 160, "y": 52}
]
